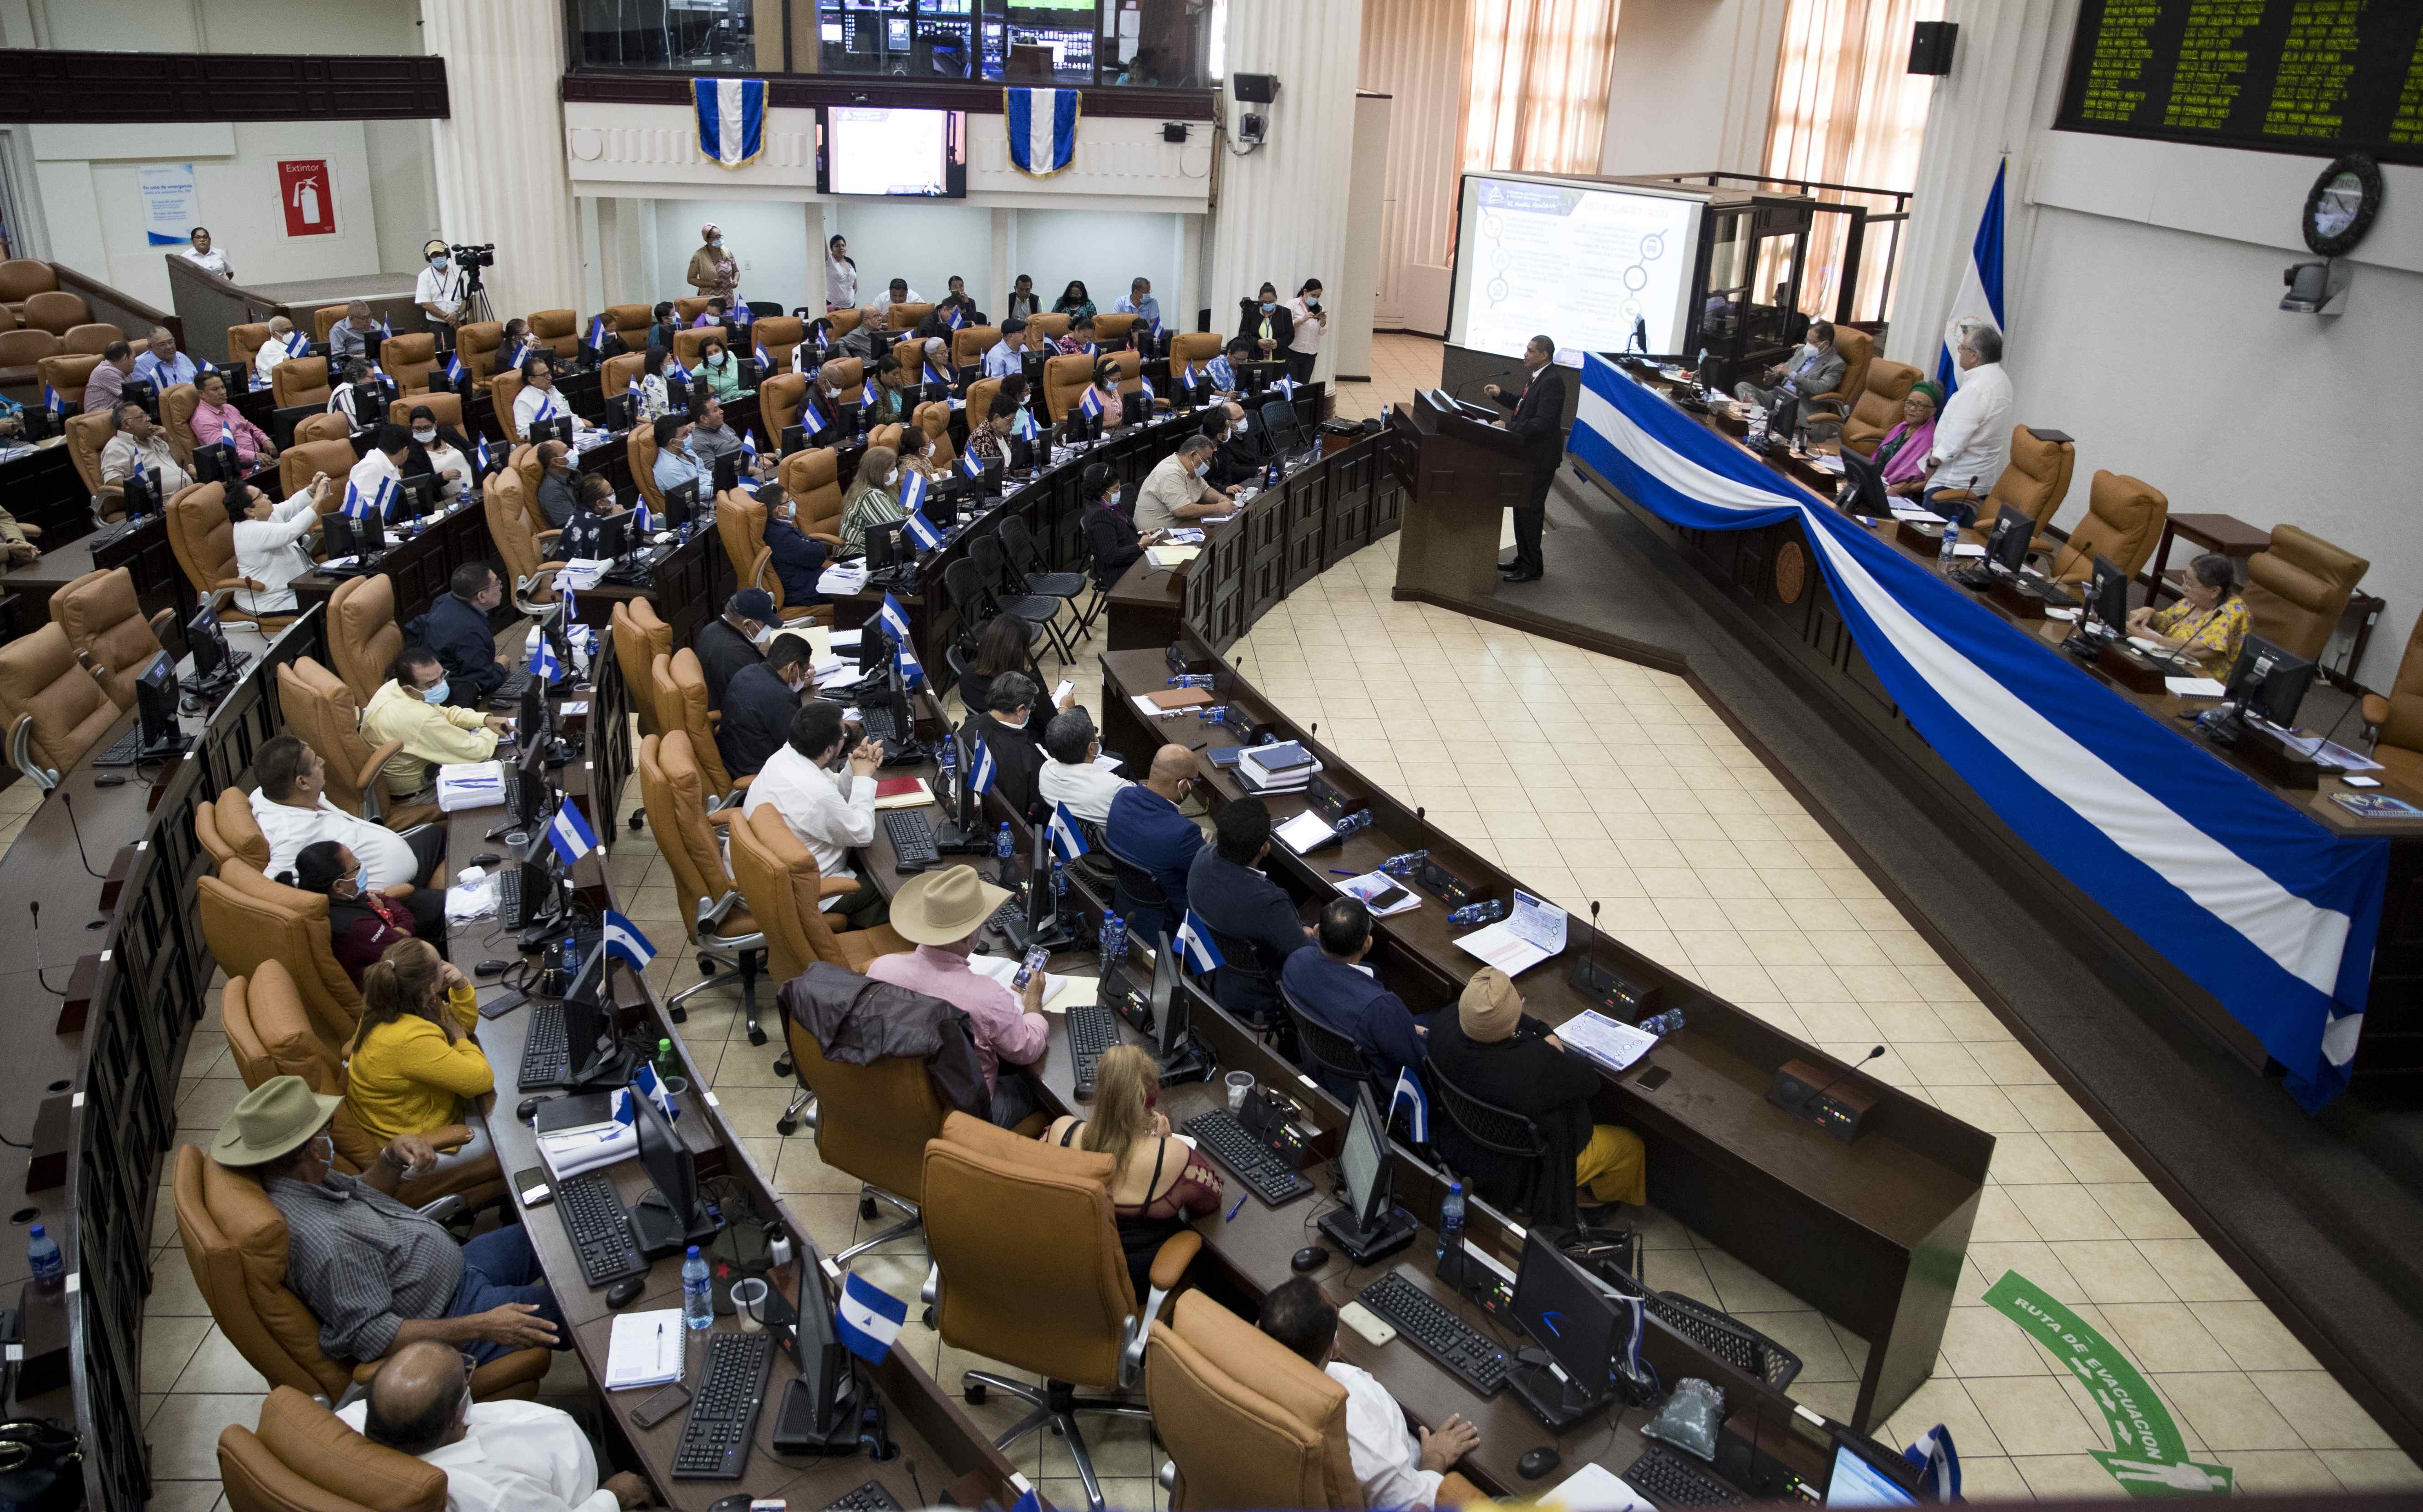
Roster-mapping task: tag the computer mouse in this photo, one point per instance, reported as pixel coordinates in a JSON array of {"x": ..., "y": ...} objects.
[
  {"x": 486, "y": 858},
  {"x": 1537, "y": 1462},
  {"x": 491, "y": 967},
  {"x": 1312, "y": 1257},
  {"x": 528, "y": 1106},
  {"x": 626, "y": 1291}
]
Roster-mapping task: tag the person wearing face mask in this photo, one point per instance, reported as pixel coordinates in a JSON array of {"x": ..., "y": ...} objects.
[
  {"x": 270, "y": 543},
  {"x": 277, "y": 348},
  {"x": 712, "y": 271},
  {"x": 456, "y": 628},
  {"x": 824, "y": 788},
  {"x": 413, "y": 1067},
  {"x": 840, "y": 276},
  {"x": 734, "y": 640},
  {"x": 1269, "y": 325},
  {"x": 411, "y": 707},
  {"x": 1109, "y": 528},
  {"x": 585, "y": 535},
  {"x": 1236, "y": 458},
  {"x": 1002, "y": 648},
  {"x": 293, "y": 809},
  {"x": 1307, "y": 320},
  {"x": 538, "y": 401},
  {"x": 1146, "y": 830},
  {"x": 1006, "y": 723},
  {"x": 758, "y": 704},
  {"x": 556, "y": 499},
  {"x": 666, "y": 326},
  {"x": 1178, "y": 490},
  {"x": 1106, "y": 394},
  {"x": 676, "y": 462},
  {"x": 363, "y": 923},
  {"x": 516, "y": 347},
  {"x": 799, "y": 558},
  {"x": 989, "y": 438},
  {"x": 438, "y": 450},
  {"x": 438, "y": 291},
  {"x": 719, "y": 372},
  {"x": 873, "y": 498}
]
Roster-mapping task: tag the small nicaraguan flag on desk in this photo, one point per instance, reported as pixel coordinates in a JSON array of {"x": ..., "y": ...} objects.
[
  {"x": 624, "y": 943},
  {"x": 748, "y": 450},
  {"x": 922, "y": 532},
  {"x": 544, "y": 663},
  {"x": 731, "y": 119},
  {"x": 868, "y": 1319},
  {"x": 1091, "y": 404},
  {"x": 484, "y": 467},
  {"x": 360, "y": 505},
  {"x": 971, "y": 466},
  {"x": 1042, "y": 130},
  {"x": 1021, "y": 425},
  {"x": 1194, "y": 940},
  {"x": 645, "y": 1082},
  {"x": 980, "y": 778},
  {"x": 815, "y": 421},
  {"x": 596, "y": 331},
  {"x": 1418, "y": 1108},
  {"x": 934, "y": 375},
  {"x": 455, "y": 373},
  {"x": 894, "y": 620},
  {"x": 52, "y": 402},
  {"x": 1068, "y": 841},
  {"x": 296, "y": 343},
  {"x": 913, "y": 491},
  {"x": 641, "y": 520},
  {"x": 570, "y": 834},
  {"x": 952, "y": 318},
  {"x": 1145, "y": 385},
  {"x": 765, "y": 363}
]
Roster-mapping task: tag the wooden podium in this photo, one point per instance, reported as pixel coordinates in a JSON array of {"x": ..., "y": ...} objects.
[{"x": 1467, "y": 474}]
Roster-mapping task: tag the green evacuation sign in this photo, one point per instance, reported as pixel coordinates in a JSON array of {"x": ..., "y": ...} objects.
[{"x": 2146, "y": 1457}]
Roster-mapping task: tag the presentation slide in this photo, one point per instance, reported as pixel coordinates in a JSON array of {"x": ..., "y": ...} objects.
[
  {"x": 886, "y": 151},
  {"x": 1537, "y": 257}
]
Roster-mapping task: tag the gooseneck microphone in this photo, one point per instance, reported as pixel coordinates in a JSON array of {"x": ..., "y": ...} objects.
[
  {"x": 55, "y": 992},
  {"x": 1838, "y": 1080},
  {"x": 69, "y": 803}
]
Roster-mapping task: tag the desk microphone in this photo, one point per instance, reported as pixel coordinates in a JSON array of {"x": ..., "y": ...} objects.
[
  {"x": 37, "y": 907},
  {"x": 69, "y": 803},
  {"x": 1838, "y": 1080}
]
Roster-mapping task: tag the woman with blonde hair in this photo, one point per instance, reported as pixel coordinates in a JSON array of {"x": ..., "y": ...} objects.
[
  {"x": 413, "y": 1063},
  {"x": 1158, "y": 1180},
  {"x": 873, "y": 498}
]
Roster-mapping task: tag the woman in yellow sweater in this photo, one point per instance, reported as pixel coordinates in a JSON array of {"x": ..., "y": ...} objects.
[{"x": 413, "y": 1063}]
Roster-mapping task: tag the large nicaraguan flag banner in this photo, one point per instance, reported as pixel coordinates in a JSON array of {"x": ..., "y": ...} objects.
[
  {"x": 2257, "y": 904},
  {"x": 731, "y": 119},
  {"x": 1043, "y": 129}
]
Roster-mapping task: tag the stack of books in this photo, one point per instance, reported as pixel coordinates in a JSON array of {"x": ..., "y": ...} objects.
[{"x": 1284, "y": 768}]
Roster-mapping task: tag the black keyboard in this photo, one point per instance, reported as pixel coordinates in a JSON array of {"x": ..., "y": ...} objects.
[
  {"x": 723, "y": 1415},
  {"x": 879, "y": 725},
  {"x": 1092, "y": 1031},
  {"x": 511, "y": 689},
  {"x": 1247, "y": 1158},
  {"x": 1669, "y": 1480},
  {"x": 1726, "y": 1338},
  {"x": 912, "y": 839},
  {"x": 546, "y": 1058},
  {"x": 1010, "y": 916},
  {"x": 509, "y": 898},
  {"x": 599, "y": 1229},
  {"x": 125, "y": 751},
  {"x": 1438, "y": 1331},
  {"x": 870, "y": 1497}
]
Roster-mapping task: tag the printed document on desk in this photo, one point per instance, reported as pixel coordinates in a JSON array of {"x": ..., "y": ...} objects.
[
  {"x": 1307, "y": 830},
  {"x": 1611, "y": 1042},
  {"x": 1595, "y": 1488},
  {"x": 1372, "y": 884},
  {"x": 645, "y": 1349},
  {"x": 1535, "y": 931},
  {"x": 1059, "y": 991}
]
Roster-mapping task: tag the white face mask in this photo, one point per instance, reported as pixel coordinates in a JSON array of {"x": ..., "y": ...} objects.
[
  {"x": 715, "y": 241},
  {"x": 765, "y": 635},
  {"x": 424, "y": 438},
  {"x": 892, "y": 477}
]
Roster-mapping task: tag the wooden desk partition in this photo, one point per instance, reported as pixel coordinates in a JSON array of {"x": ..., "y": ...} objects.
[{"x": 1468, "y": 475}]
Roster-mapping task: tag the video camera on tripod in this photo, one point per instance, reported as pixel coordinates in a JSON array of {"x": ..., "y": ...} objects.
[{"x": 472, "y": 260}]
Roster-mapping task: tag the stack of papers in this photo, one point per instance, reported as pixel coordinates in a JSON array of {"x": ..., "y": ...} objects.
[
  {"x": 1307, "y": 830},
  {"x": 1916, "y": 514},
  {"x": 582, "y": 572},
  {"x": 1172, "y": 556},
  {"x": 1595, "y": 1489},
  {"x": 588, "y": 1147},
  {"x": 842, "y": 579},
  {"x": 1183, "y": 535},
  {"x": 470, "y": 785},
  {"x": 1611, "y": 1042},
  {"x": 1535, "y": 931},
  {"x": 2194, "y": 687},
  {"x": 645, "y": 1349},
  {"x": 1283, "y": 767},
  {"x": 1372, "y": 885},
  {"x": 1058, "y": 991}
]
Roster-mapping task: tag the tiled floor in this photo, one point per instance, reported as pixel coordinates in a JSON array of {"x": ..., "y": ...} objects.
[{"x": 1699, "y": 858}]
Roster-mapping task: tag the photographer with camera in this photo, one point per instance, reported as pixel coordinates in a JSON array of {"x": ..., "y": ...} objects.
[
  {"x": 1311, "y": 321},
  {"x": 438, "y": 291}
]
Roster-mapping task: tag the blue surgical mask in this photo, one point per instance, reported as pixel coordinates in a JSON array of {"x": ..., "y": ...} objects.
[
  {"x": 1268, "y": 306},
  {"x": 440, "y": 262},
  {"x": 362, "y": 879},
  {"x": 437, "y": 693}
]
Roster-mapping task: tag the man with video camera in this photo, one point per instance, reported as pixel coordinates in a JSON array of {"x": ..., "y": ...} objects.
[{"x": 446, "y": 286}]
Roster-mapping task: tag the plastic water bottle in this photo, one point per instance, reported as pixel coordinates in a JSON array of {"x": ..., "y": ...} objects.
[
  {"x": 1664, "y": 1023},
  {"x": 1451, "y": 1224},
  {"x": 569, "y": 958},
  {"x": 1359, "y": 820},
  {"x": 698, "y": 1292},
  {"x": 1404, "y": 865},
  {"x": 44, "y": 1258},
  {"x": 1059, "y": 885},
  {"x": 1114, "y": 942},
  {"x": 1002, "y": 849},
  {"x": 1945, "y": 555},
  {"x": 1270, "y": 476},
  {"x": 1472, "y": 916}
]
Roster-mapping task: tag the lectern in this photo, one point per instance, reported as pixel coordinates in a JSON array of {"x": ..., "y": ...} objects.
[{"x": 1467, "y": 474}]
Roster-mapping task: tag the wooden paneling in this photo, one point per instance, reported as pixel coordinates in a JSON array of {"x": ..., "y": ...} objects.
[
  {"x": 58, "y": 87},
  {"x": 624, "y": 86}
]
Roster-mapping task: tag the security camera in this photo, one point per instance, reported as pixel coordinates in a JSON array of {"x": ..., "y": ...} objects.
[
  {"x": 2316, "y": 288},
  {"x": 1252, "y": 128}
]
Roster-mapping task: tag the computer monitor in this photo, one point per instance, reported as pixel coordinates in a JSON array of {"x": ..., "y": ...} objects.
[
  {"x": 622, "y": 412},
  {"x": 614, "y": 536},
  {"x": 2107, "y": 597},
  {"x": 818, "y": 1414},
  {"x": 1363, "y": 1158},
  {"x": 208, "y": 641},
  {"x": 1134, "y": 408},
  {"x": 1864, "y": 490},
  {"x": 885, "y": 548},
  {"x": 1857, "y": 1478},
  {"x": 369, "y": 404},
  {"x": 727, "y": 472},
  {"x": 155, "y": 703},
  {"x": 142, "y": 392},
  {"x": 557, "y": 429},
  {"x": 681, "y": 503},
  {"x": 2006, "y": 545},
  {"x": 589, "y": 986},
  {"x": 676, "y": 393},
  {"x": 349, "y": 537},
  {"x": 1168, "y": 1000},
  {"x": 671, "y": 1170},
  {"x": 530, "y": 720},
  {"x": 1565, "y": 1312},
  {"x": 420, "y": 494},
  {"x": 2269, "y": 681},
  {"x": 141, "y": 491},
  {"x": 795, "y": 438},
  {"x": 217, "y": 464},
  {"x": 531, "y": 795},
  {"x": 1021, "y": 454}
]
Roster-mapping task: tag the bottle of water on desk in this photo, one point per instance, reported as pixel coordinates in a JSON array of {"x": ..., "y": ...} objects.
[
  {"x": 1359, "y": 820},
  {"x": 698, "y": 1292},
  {"x": 1451, "y": 1224},
  {"x": 1472, "y": 916},
  {"x": 1002, "y": 849},
  {"x": 1404, "y": 865},
  {"x": 1950, "y": 550},
  {"x": 1663, "y": 1024},
  {"x": 43, "y": 1259}
]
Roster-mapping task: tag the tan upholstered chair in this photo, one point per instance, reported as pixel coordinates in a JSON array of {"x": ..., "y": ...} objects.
[
  {"x": 980, "y": 396},
  {"x": 363, "y": 638},
  {"x": 689, "y": 308},
  {"x": 873, "y": 1121},
  {"x": 55, "y": 310},
  {"x": 716, "y": 917},
  {"x": 93, "y": 337},
  {"x": 2297, "y": 587},
  {"x": 778, "y": 874},
  {"x": 54, "y": 710},
  {"x": 410, "y": 359},
  {"x": 2394, "y": 721},
  {"x": 304, "y": 1458},
  {"x": 1051, "y": 323},
  {"x": 557, "y": 329},
  {"x": 969, "y": 344},
  {"x": 780, "y": 400},
  {"x": 639, "y": 638},
  {"x": 1193, "y": 346},
  {"x": 639, "y": 449},
  {"x": 227, "y": 831},
  {"x": 680, "y": 685},
  {"x": 2035, "y": 483},
  {"x": 1878, "y": 409},
  {"x": 235, "y": 1242},
  {"x": 22, "y": 354},
  {"x": 1111, "y": 326},
  {"x": 778, "y": 335},
  {"x": 445, "y": 408},
  {"x": 845, "y": 378},
  {"x": 844, "y": 320},
  {"x": 323, "y": 320},
  {"x": 87, "y": 434},
  {"x": 309, "y": 455},
  {"x": 325, "y": 426},
  {"x": 529, "y": 566},
  {"x": 244, "y": 343},
  {"x": 742, "y": 522},
  {"x": 687, "y": 342},
  {"x": 106, "y": 627},
  {"x": 67, "y": 373},
  {"x": 2124, "y": 519},
  {"x": 631, "y": 322},
  {"x": 21, "y": 279},
  {"x": 1065, "y": 381},
  {"x": 502, "y": 392},
  {"x": 203, "y": 538},
  {"x": 935, "y": 420},
  {"x": 299, "y": 380},
  {"x": 475, "y": 345},
  {"x": 616, "y": 375},
  {"x": 322, "y": 711},
  {"x": 1246, "y": 1420},
  {"x": 248, "y": 919},
  {"x": 812, "y": 480},
  {"x": 907, "y": 317},
  {"x": 177, "y": 408},
  {"x": 1032, "y": 1273},
  {"x": 524, "y": 462},
  {"x": 1857, "y": 349}
]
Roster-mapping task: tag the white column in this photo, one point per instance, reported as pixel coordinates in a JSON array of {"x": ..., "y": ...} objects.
[
  {"x": 1001, "y": 270},
  {"x": 1282, "y": 208},
  {"x": 2004, "y": 71},
  {"x": 501, "y": 157}
]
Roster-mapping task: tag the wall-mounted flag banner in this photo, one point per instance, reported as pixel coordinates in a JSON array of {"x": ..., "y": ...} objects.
[
  {"x": 1043, "y": 129},
  {"x": 1979, "y": 301},
  {"x": 731, "y": 119}
]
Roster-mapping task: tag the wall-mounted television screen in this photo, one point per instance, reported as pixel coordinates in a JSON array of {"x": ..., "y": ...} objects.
[{"x": 903, "y": 153}]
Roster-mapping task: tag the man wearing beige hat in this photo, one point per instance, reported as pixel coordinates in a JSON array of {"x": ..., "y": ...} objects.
[
  {"x": 378, "y": 1275},
  {"x": 1493, "y": 1051},
  {"x": 943, "y": 912}
]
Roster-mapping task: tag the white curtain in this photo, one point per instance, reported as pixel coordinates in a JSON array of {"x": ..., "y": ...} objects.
[{"x": 1536, "y": 100}]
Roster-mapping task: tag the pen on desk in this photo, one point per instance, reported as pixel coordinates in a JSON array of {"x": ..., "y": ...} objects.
[
  {"x": 1341, "y": 871},
  {"x": 1230, "y": 1219}
]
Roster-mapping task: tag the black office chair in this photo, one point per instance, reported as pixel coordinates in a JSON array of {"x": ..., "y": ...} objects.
[
  {"x": 1026, "y": 558},
  {"x": 1280, "y": 424},
  {"x": 1005, "y": 590},
  {"x": 963, "y": 586},
  {"x": 1727, "y": 1337},
  {"x": 1247, "y": 985},
  {"x": 1138, "y": 897},
  {"x": 1500, "y": 1132},
  {"x": 1337, "y": 1060}
]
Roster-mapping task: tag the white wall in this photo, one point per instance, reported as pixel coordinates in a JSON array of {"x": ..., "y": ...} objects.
[
  {"x": 1108, "y": 251},
  {"x": 923, "y": 242},
  {"x": 245, "y": 27},
  {"x": 769, "y": 239},
  {"x": 1690, "y": 86}
]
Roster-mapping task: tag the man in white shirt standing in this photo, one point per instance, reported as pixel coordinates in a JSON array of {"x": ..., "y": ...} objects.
[
  {"x": 438, "y": 291},
  {"x": 829, "y": 806},
  {"x": 1395, "y": 1468},
  {"x": 1973, "y": 436},
  {"x": 291, "y": 807},
  {"x": 1070, "y": 776},
  {"x": 497, "y": 1456}
]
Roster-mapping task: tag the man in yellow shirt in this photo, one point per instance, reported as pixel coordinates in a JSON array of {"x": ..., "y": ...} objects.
[{"x": 411, "y": 707}]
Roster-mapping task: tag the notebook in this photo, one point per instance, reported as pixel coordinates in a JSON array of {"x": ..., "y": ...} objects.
[
  {"x": 1178, "y": 697},
  {"x": 902, "y": 792},
  {"x": 645, "y": 1349}
]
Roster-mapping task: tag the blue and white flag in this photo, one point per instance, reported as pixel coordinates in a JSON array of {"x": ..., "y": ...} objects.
[
  {"x": 386, "y": 330},
  {"x": 1408, "y": 1091},
  {"x": 748, "y": 450},
  {"x": 484, "y": 469},
  {"x": 812, "y": 418},
  {"x": 596, "y": 331},
  {"x": 921, "y": 533},
  {"x": 1091, "y": 404},
  {"x": 731, "y": 119},
  {"x": 296, "y": 343},
  {"x": 624, "y": 943},
  {"x": 643, "y": 521},
  {"x": 519, "y": 356},
  {"x": 1980, "y": 300},
  {"x": 571, "y": 610},
  {"x": 971, "y": 466},
  {"x": 544, "y": 662},
  {"x": 893, "y": 621},
  {"x": 1042, "y": 130},
  {"x": 1196, "y": 951},
  {"x": 1068, "y": 840},
  {"x": 952, "y": 318},
  {"x": 1147, "y": 389},
  {"x": 1939, "y": 1465},
  {"x": 934, "y": 375},
  {"x": 2248, "y": 898},
  {"x": 455, "y": 373},
  {"x": 980, "y": 777},
  {"x": 570, "y": 834},
  {"x": 1021, "y": 425},
  {"x": 912, "y": 672},
  {"x": 649, "y": 1085},
  {"x": 359, "y": 505},
  {"x": 52, "y": 402},
  {"x": 765, "y": 363},
  {"x": 913, "y": 487},
  {"x": 1285, "y": 385},
  {"x": 868, "y": 1318},
  {"x": 546, "y": 409}
]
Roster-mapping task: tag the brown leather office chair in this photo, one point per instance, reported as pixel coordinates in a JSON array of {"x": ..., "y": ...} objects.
[
  {"x": 411, "y": 359},
  {"x": 778, "y": 335},
  {"x": 1857, "y": 349},
  {"x": 640, "y": 450},
  {"x": 228, "y": 832},
  {"x": 92, "y": 337},
  {"x": 248, "y": 919},
  {"x": 530, "y": 566},
  {"x": 778, "y": 874},
  {"x": 2395, "y": 721},
  {"x": 323, "y": 320},
  {"x": 1032, "y": 1275},
  {"x": 502, "y": 388},
  {"x": 980, "y": 397},
  {"x": 244, "y": 343},
  {"x": 2297, "y": 587},
  {"x": 321, "y": 711},
  {"x": 2035, "y": 483},
  {"x": 1878, "y": 409},
  {"x": 235, "y": 1241},
  {"x": 299, "y": 380},
  {"x": 557, "y": 329},
  {"x": 523, "y": 461},
  {"x": 327, "y": 426},
  {"x": 1110, "y": 326},
  {"x": 845, "y": 378},
  {"x": 177, "y": 408},
  {"x": 53, "y": 708},
  {"x": 105, "y": 625},
  {"x": 687, "y": 342},
  {"x": 907, "y": 317},
  {"x": 363, "y": 637},
  {"x": 1049, "y": 323},
  {"x": 872, "y": 1122},
  {"x": 689, "y": 308},
  {"x": 680, "y": 685},
  {"x": 934, "y": 420},
  {"x": 631, "y": 322},
  {"x": 672, "y": 789},
  {"x": 21, "y": 353},
  {"x": 203, "y": 538},
  {"x": 21, "y": 279},
  {"x": 812, "y": 480},
  {"x": 2124, "y": 519},
  {"x": 843, "y": 322},
  {"x": 780, "y": 399},
  {"x": 1246, "y": 1420},
  {"x": 616, "y": 375},
  {"x": 67, "y": 373},
  {"x": 1197, "y": 348},
  {"x": 312, "y": 453},
  {"x": 86, "y": 436},
  {"x": 1065, "y": 381},
  {"x": 475, "y": 345},
  {"x": 740, "y": 520},
  {"x": 445, "y": 408},
  {"x": 969, "y": 344},
  {"x": 302, "y": 1458},
  {"x": 639, "y": 637},
  {"x": 55, "y": 310}
]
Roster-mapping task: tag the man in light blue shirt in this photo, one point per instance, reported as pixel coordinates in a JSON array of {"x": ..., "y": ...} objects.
[
  {"x": 676, "y": 466},
  {"x": 1001, "y": 360},
  {"x": 1140, "y": 302},
  {"x": 162, "y": 365}
]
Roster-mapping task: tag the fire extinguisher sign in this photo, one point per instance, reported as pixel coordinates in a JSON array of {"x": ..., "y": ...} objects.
[{"x": 306, "y": 189}]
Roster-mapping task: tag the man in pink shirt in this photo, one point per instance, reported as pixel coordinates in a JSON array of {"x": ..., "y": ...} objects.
[
  {"x": 943, "y": 912},
  {"x": 214, "y": 416}
]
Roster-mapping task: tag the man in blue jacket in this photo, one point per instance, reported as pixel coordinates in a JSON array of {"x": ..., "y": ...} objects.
[
  {"x": 1146, "y": 830},
  {"x": 1338, "y": 992},
  {"x": 456, "y": 628}
]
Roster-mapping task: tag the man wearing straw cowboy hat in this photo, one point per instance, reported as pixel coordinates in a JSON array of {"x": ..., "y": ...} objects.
[
  {"x": 378, "y": 1275},
  {"x": 943, "y": 912}
]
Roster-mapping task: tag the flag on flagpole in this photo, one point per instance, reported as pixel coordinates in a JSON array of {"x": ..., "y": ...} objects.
[
  {"x": 1043, "y": 129},
  {"x": 570, "y": 834},
  {"x": 296, "y": 343},
  {"x": 1186, "y": 374},
  {"x": 455, "y": 373},
  {"x": 749, "y": 448},
  {"x": 1418, "y": 1108},
  {"x": 385, "y": 329},
  {"x": 596, "y": 331},
  {"x": 1068, "y": 841},
  {"x": 1938, "y": 1463},
  {"x": 868, "y": 1319},
  {"x": 765, "y": 362},
  {"x": 1021, "y": 425},
  {"x": 1195, "y": 939},
  {"x": 934, "y": 375},
  {"x": 647, "y": 1084},
  {"x": 922, "y": 533},
  {"x": 52, "y": 402},
  {"x": 731, "y": 119},
  {"x": 1979, "y": 301},
  {"x": 952, "y": 318},
  {"x": 971, "y": 466},
  {"x": 624, "y": 942},
  {"x": 359, "y": 504},
  {"x": 913, "y": 490},
  {"x": 980, "y": 777},
  {"x": 484, "y": 469},
  {"x": 894, "y": 620},
  {"x": 544, "y": 662},
  {"x": 641, "y": 520},
  {"x": 912, "y": 672},
  {"x": 1091, "y": 404},
  {"x": 674, "y": 370},
  {"x": 571, "y": 610},
  {"x": 816, "y": 420},
  {"x": 1145, "y": 388}
]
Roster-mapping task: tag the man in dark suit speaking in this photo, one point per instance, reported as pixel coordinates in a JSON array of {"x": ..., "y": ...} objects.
[{"x": 1540, "y": 420}]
